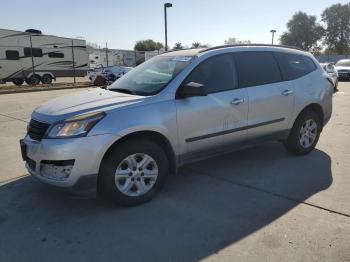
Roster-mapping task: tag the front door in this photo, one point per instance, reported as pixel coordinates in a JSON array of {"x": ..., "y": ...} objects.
[{"x": 202, "y": 120}]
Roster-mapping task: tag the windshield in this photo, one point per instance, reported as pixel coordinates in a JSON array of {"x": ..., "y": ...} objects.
[
  {"x": 343, "y": 63},
  {"x": 152, "y": 76}
]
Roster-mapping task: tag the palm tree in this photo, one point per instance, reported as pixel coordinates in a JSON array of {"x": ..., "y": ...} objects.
[
  {"x": 196, "y": 45},
  {"x": 178, "y": 46}
]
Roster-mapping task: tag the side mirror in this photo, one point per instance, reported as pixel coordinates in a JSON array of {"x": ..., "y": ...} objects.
[{"x": 191, "y": 89}]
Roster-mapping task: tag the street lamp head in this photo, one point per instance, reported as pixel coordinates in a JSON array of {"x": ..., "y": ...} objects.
[
  {"x": 273, "y": 31},
  {"x": 168, "y": 5}
]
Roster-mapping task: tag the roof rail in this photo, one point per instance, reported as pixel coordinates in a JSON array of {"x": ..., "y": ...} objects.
[{"x": 243, "y": 45}]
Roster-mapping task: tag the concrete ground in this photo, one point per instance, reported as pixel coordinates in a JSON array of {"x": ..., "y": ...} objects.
[{"x": 259, "y": 204}]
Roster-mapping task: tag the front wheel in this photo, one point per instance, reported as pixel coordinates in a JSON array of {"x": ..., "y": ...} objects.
[
  {"x": 133, "y": 172},
  {"x": 304, "y": 134}
]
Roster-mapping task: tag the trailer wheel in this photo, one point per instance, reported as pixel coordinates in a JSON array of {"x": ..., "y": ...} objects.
[
  {"x": 46, "y": 79},
  {"x": 33, "y": 80},
  {"x": 18, "y": 81}
]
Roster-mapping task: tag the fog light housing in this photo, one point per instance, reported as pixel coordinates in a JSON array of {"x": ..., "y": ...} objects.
[{"x": 56, "y": 169}]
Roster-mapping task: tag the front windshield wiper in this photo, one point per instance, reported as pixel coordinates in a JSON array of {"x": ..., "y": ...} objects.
[{"x": 123, "y": 90}]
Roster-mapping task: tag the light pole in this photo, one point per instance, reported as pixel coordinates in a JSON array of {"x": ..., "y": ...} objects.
[
  {"x": 272, "y": 31},
  {"x": 166, "y": 5}
]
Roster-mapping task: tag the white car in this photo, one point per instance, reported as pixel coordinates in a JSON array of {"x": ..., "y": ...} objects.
[
  {"x": 332, "y": 73},
  {"x": 343, "y": 68}
]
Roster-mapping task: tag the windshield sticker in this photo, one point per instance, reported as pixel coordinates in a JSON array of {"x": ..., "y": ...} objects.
[{"x": 182, "y": 58}]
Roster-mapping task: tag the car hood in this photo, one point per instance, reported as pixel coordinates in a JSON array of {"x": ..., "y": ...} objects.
[
  {"x": 342, "y": 67},
  {"x": 96, "y": 99}
]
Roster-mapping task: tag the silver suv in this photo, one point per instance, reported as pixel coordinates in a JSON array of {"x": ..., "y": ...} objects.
[{"x": 173, "y": 109}]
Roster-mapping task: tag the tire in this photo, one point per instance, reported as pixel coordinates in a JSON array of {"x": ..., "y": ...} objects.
[
  {"x": 112, "y": 78},
  {"x": 46, "y": 79},
  {"x": 336, "y": 86},
  {"x": 126, "y": 188},
  {"x": 33, "y": 80},
  {"x": 302, "y": 140},
  {"x": 18, "y": 81},
  {"x": 100, "y": 80}
]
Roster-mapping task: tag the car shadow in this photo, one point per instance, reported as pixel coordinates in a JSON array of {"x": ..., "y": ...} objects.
[{"x": 206, "y": 207}]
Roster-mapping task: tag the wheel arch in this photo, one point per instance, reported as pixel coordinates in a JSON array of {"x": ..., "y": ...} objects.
[
  {"x": 317, "y": 108},
  {"x": 153, "y": 136},
  {"x": 41, "y": 74}
]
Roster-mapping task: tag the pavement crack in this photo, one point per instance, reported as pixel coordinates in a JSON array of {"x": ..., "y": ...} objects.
[
  {"x": 14, "y": 118},
  {"x": 270, "y": 193}
]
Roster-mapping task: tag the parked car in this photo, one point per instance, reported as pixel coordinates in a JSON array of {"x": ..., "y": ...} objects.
[
  {"x": 343, "y": 68},
  {"x": 174, "y": 109},
  {"x": 332, "y": 73},
  {"x": 92, "y": 72},
  {"x": 115, "y": 72}
]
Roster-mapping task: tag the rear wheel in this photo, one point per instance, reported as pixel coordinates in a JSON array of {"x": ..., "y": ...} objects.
[
  {"x": 305, "y": 133},
  {"x": 33, "y": 80},
  {"x": 18, "y": 81},
  {"x": 46, "y": 79},
  {"x": 133, "y": 172}
]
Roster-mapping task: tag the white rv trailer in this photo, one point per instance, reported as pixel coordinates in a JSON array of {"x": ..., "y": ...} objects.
[{"x": 33, "y": 57}]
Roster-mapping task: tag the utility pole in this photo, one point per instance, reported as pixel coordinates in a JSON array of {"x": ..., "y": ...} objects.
[
  {"x": 166, "y": 5},
  {"x": 272, "y": 31},
  {"x": 106, "y": 55},
  {"x": 73, "y": 61}
]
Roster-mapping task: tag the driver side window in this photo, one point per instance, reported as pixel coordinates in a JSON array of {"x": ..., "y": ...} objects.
[{"x": 217, "y": 74}]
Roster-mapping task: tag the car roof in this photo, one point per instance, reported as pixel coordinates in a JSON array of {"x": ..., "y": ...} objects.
[{"x": 243, "y": 47}]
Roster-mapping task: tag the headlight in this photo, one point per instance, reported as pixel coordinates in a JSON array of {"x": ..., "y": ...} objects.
[{"x": 76, "y": 126}]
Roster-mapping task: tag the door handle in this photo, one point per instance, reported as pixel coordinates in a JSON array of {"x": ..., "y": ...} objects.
[
  {"x": 287, "y": 92},
  {"x": 237, "y": 101}
]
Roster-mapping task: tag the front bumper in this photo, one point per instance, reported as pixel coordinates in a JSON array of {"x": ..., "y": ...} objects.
[{"x": 87, "y": 153}]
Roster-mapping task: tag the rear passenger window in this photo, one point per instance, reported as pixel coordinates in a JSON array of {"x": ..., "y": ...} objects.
[
  {"x": 37, "y": 52},
  {"x": 12, "y": 55},
  {"x": 296, "y": 65},
  {"x": 217, "y": 74},
  {"x": 257, "y": 68}
]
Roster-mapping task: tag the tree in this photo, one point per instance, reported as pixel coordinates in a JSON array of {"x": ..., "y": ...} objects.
[
  {"x": 234, "y": 41},
  {"x": 178, "y": 46},
  {"x": 303, "y": 32},
  {"x": 93, "y": 45},
  {"x": 147, "y": 45},
  {"x": 337, "y": 33},
  {"x": 198, "y": 45}
]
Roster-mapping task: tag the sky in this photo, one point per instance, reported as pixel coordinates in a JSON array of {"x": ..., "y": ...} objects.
[{"x": 121, "y": 23}]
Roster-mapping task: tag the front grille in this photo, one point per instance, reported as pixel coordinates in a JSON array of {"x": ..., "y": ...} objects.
[
  {"x": 37, "y": 130},
  {"x": 343, "y": 72}
]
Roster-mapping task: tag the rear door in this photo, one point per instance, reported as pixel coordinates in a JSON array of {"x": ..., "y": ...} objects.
[{"x": 271, "y": 99}]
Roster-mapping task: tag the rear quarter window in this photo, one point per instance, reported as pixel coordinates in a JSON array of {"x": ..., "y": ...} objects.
[{"x": 296, "y": 66}]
